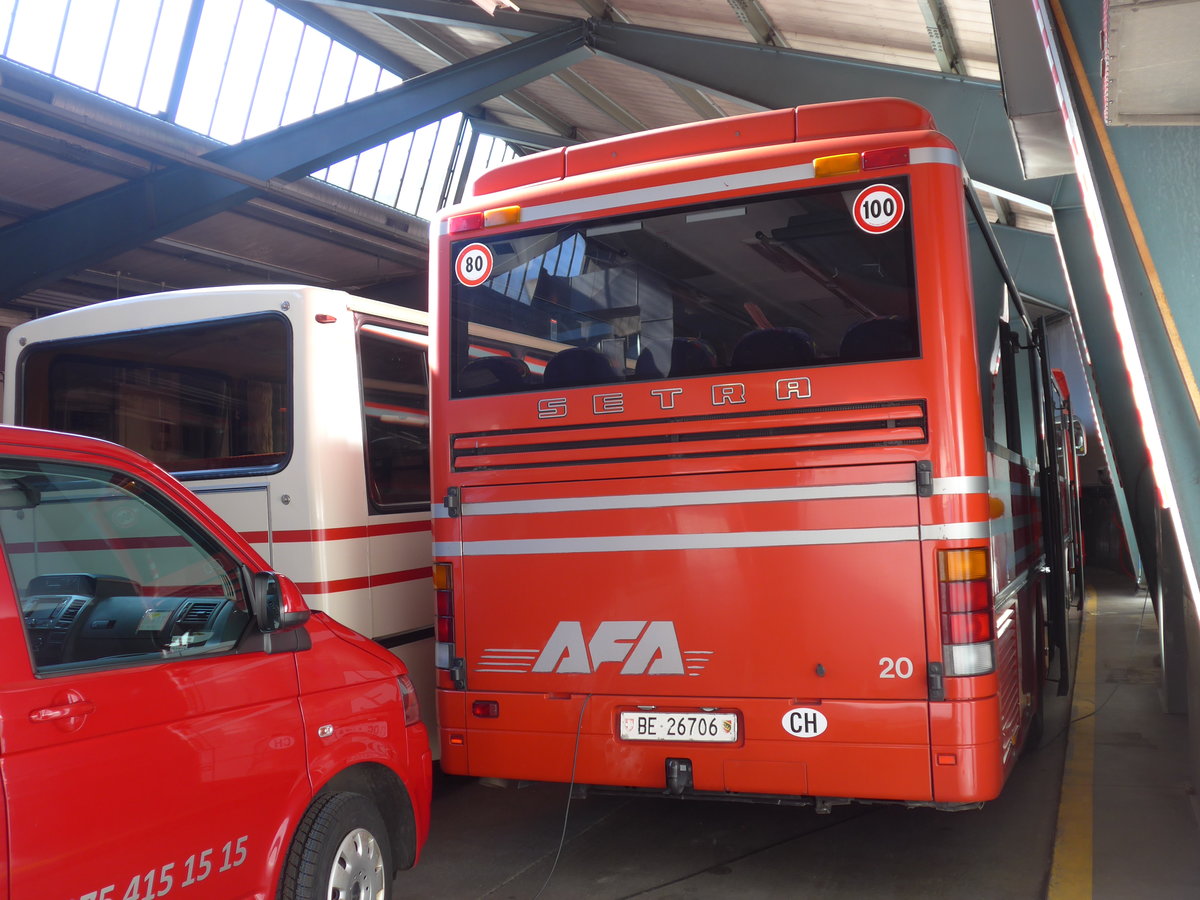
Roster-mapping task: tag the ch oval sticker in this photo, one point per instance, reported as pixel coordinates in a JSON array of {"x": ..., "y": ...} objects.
[{"x": 804, "y": 722}]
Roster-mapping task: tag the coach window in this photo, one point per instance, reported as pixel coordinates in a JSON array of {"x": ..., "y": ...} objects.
[
  {"x": 782, "y": 281},
  {"x": 111, "y": 574},
  {"x": 200, "y": 399},
  {"x": 395, "y": 401}
]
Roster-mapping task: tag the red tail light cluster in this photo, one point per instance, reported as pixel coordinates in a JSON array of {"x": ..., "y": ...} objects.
[
  {"x": 449, "y": 666},
  {"x": 967, "y": 618}
]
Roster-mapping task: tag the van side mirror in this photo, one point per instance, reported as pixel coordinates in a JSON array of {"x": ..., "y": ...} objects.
[
  {"x": 277, "y": 603},
  {"x": 1079, "y": 436}
]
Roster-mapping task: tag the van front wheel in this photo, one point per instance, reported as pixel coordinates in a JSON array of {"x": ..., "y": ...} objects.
[{"x": 340, "y": 852}]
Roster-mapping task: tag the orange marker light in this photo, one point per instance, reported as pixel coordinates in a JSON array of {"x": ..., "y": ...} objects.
[
  {"x": 501, "y": 215},
  {"x": 842, "y": 164},
  {"x": 441, "y": 576},
  {"x": 962, "y": 565}
]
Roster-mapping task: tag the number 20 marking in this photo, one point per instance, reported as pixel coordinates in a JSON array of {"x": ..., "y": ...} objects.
[{"x": 901, "y": 667}]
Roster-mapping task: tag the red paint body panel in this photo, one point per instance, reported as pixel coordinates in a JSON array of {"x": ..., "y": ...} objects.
[
  {"x": 188, "y": 770},
  {"x": 878, "y": 751},
  {"x": 754, "y": 541}
]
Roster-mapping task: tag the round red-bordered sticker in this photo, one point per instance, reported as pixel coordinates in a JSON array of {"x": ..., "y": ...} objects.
[
  {"x": 878, "y": 208},
  {"x": 474, "y": 265}
]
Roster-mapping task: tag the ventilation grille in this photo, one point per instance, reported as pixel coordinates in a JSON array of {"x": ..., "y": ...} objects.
[
  {"x": 71, "y": 610},
  {"x": 695, "y": 437},
  {"x": 198, "y": 613}
]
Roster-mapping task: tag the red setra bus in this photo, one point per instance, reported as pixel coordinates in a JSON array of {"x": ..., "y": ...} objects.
[{"x": 745, "y": 454}]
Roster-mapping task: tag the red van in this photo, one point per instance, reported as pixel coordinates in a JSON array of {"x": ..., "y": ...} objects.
[{"x": 173, "y": 717}]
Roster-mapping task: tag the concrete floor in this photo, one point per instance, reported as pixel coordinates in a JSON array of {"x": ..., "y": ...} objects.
[
  {"x": 1145, "y": 838},
  {"x": 1143, "y": 841}
]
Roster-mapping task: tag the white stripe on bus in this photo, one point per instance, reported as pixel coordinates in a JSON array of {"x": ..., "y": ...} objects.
[
  {"x": 955, "y": 531},
  {"x": 682, "y": 190},
  {"x": 682, "y": 498},
  {"x": 961, "y": 484},
  {"x": 624, "y": 543},
  {"x": 941, "y": 486},
  {"x": 711, "y": 541}
]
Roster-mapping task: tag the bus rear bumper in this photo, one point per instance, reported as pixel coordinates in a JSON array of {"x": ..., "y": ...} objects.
[{"x": 869, "y": 750}]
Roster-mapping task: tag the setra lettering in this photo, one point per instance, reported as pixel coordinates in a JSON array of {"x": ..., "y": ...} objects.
[
  {"x": 552, "y": 407},
  {"x": 728, "y": 394}
]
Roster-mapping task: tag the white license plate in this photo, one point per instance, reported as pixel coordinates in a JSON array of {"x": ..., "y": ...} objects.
[{"x": 720, "y": 728}]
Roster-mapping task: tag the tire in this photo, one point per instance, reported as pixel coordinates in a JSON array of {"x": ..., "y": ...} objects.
[{"x": 340, "y": 852}]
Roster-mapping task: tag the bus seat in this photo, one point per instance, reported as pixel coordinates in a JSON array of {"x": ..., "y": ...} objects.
[
  {"x": 885, "y": 337},
  {"x": 772, "y": 348},
  {"x": 689, "y": 356},
  {"x": 493, "y": 375},
  {"x": 577, "y": 366},
  {"x": 647, "y": 366},
  {"x": 692, "y": 356}
]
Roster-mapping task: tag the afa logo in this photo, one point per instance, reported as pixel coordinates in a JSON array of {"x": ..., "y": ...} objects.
[
  {"x": 638, "y": 647},
  {"x": 641, "y": 648}
]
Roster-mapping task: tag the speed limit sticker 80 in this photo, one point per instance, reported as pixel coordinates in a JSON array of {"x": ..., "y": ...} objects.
[
  {"x": 878, "y": 208},
  {"x": 474, "y": 265}
]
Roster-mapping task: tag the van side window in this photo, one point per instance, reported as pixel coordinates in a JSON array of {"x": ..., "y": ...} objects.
[
  {"x": 395, "y": 398},
  {"x": 109, "y": 573}
]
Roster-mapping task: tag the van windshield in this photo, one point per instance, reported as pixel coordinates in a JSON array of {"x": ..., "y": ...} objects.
[{"x": 808, "y": 278}]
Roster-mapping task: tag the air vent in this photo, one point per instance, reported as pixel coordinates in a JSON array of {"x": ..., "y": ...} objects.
[
  {"x": 732, "y": 435},
  {"x": 71, "y": 610},
  {"x": 198, "y": 613}
]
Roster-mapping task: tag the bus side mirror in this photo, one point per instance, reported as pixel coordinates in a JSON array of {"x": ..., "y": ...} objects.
[
  {"x": 277, "y": 603},
  {"x": 1079, "y": 436}
]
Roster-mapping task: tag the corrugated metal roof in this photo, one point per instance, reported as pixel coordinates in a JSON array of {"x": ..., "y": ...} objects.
[{"x": 888, "y": 33}]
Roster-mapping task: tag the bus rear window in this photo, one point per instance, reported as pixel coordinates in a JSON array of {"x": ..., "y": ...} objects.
[
  {"x": 204, "y": 398},
  {"x": 786, "y": 281}
]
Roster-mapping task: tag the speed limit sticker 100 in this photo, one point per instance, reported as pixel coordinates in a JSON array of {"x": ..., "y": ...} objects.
[
  {"x": 474, "y": 265},
  {"x": 878, "y": 208}
]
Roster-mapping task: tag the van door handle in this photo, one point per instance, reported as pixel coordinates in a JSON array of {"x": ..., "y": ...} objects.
[
  {"x": 67, "y": 712},
  {"x": 75, "y": 708}
]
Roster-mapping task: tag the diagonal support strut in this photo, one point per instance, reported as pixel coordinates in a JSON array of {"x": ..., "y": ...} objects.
[{"x": 48, "y": 246}]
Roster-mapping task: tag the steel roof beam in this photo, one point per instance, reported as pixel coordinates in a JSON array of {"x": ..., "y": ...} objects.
[
  {"x": 758, "y": 23},
  {"x": 310, "y": 14},
  {"x": 941, "y": 36},
  {"x": 521, "y": 136},
  {"x": 446, "y": 12},
  {"x": 599, "y": 99},
  {"x": 969, "y": 111},
  {"x": 1003, "y": 208},
  {"x": 46, "y": 247},
  {"x": 453, "y": 56},
  {"x": 701, "y": 105}
]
